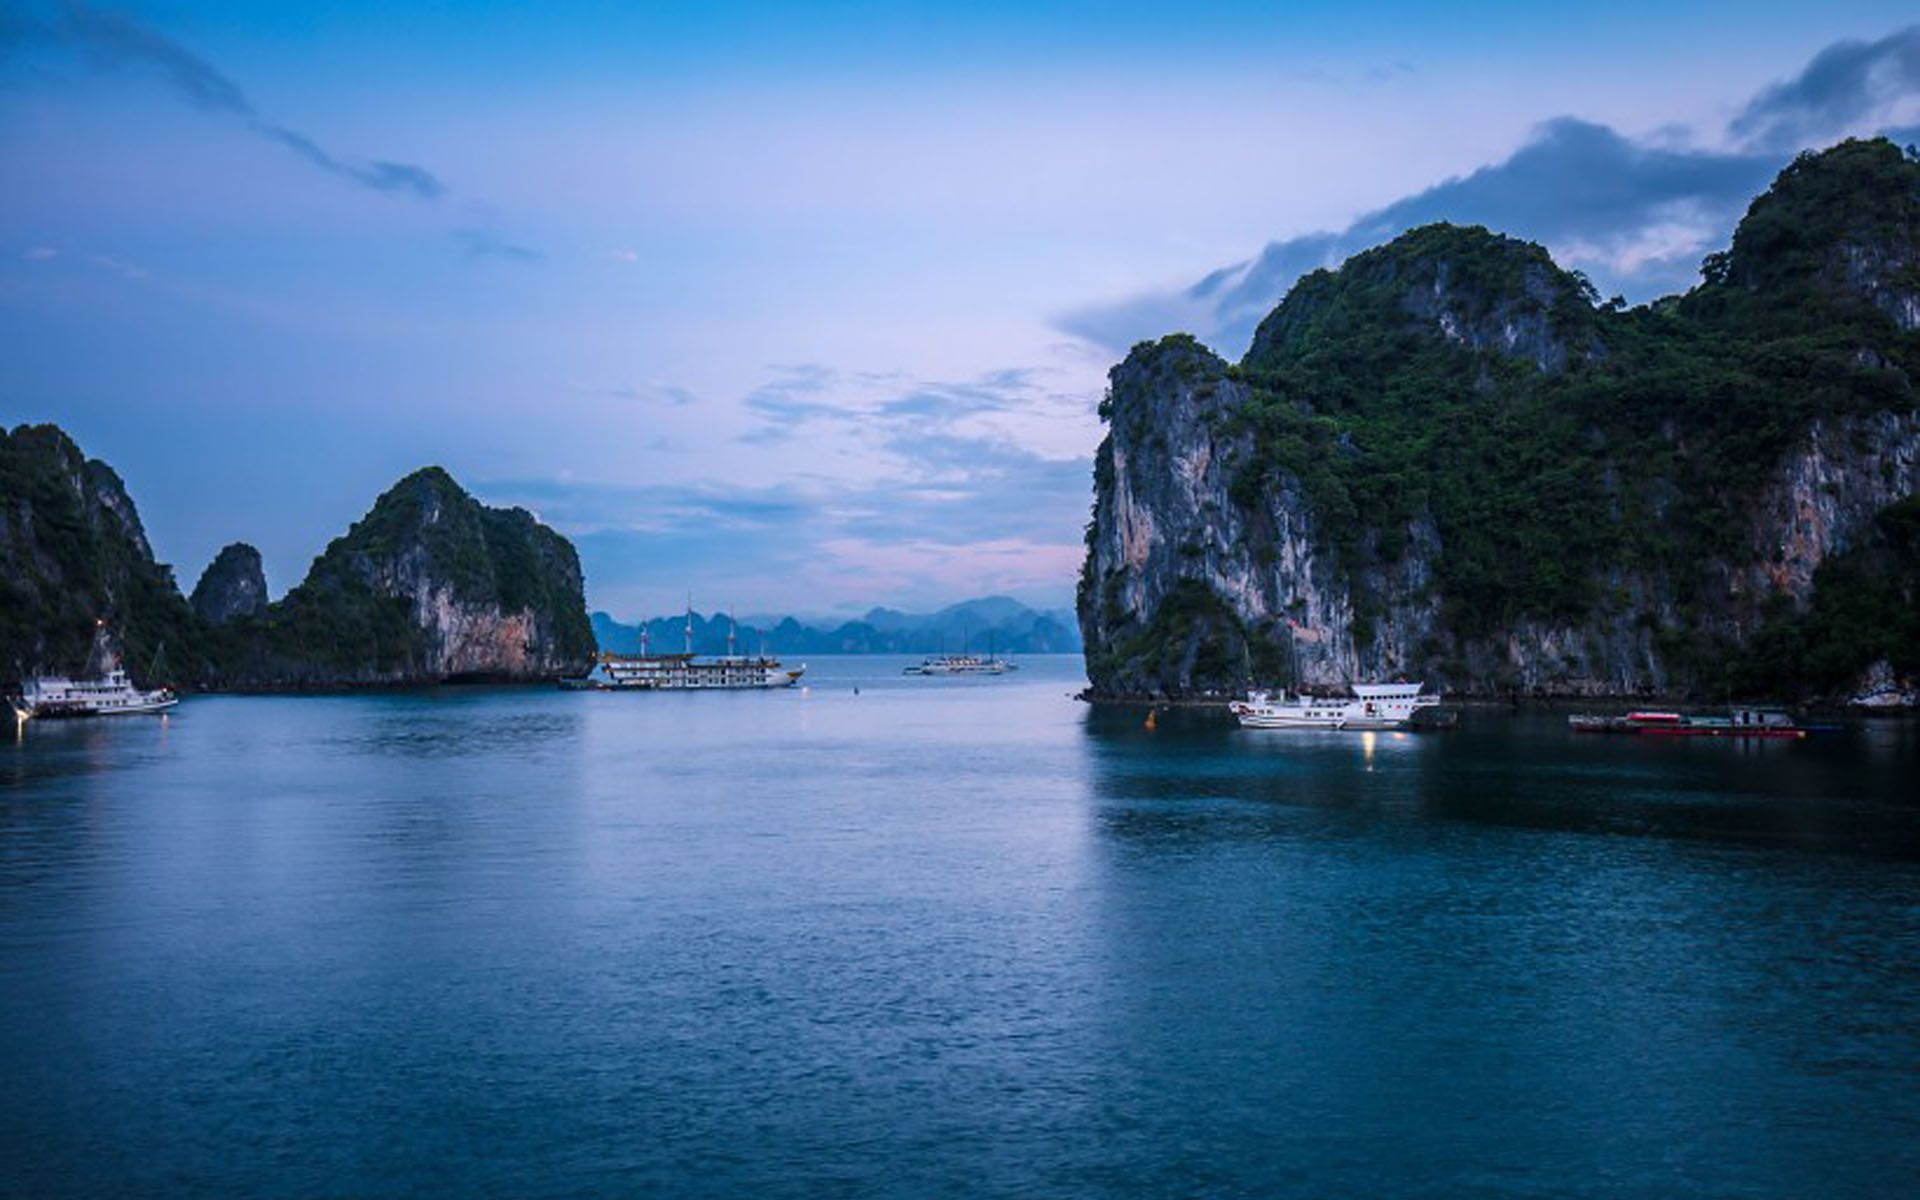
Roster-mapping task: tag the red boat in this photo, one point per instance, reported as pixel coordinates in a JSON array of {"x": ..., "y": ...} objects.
[{"x": 1740, "y": 722}]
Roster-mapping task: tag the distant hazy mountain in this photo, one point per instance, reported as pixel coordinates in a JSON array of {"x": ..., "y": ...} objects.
[{"x": 996, "y": 623}]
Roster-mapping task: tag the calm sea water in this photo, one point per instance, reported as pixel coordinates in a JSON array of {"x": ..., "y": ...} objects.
[{"x": 946, "y": 938}]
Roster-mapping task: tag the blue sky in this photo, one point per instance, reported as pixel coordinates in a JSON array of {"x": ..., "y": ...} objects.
[{"x": 799, "y": 307}]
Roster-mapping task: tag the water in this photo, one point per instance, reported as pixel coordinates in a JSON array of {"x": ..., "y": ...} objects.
[{"x": 946, "y": 938}]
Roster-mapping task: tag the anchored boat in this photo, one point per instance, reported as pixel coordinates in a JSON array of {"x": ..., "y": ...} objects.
[
  {"x": 959, "y": 664},
  {"x": 684, "y": 672},
  {"x": 52, "y": 696},
  {"x": 1374, "y": 706},
  {"x": 1738, "y": 722},
  {"x": 687, "y": 672}
]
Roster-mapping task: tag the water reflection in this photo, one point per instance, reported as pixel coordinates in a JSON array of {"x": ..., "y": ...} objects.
[{"x": 1851, "y": 792}]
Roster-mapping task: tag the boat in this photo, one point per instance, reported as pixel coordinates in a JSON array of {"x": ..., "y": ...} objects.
[
  {"x": 1373, "y": 706},
  {"x": 686, "y": 672},
  {"x": 1745, "y": 722},
  {"x": 959, "y": 664},
  {"x": 113, "y": 695}
]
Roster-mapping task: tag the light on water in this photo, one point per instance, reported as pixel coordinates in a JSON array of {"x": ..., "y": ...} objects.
[{"x": 945, "y": 937}]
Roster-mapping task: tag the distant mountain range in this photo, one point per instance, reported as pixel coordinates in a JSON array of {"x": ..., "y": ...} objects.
[{"x": 997, "y": 623}]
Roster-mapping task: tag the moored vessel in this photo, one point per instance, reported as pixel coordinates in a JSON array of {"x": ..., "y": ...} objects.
[
  {"x": 1373, "y": 706},
  {"x": 56, "y": 696},
  {"x": 685, "y": 672},
  {"x": 1745, "y": 722},
  {"x": 959, "y": 664}
]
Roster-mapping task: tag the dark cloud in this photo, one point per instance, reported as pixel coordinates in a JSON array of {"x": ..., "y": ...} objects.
[
  {"x": 1636, "y": 214},
  {"x": 1631, "y": 215},
  {"x": 478, "y": 243},
  {"x": 787, "y": 401},
  {"x": 380, "y": 176},
  {"x": 1846, "y": 83},
  {"x": 117, "y": 41},
  {"x": 996, "y": 391},
  {"x": 798, "y": 396}
]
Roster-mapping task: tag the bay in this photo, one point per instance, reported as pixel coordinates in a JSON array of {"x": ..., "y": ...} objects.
[{"x": 905, "y": 937}]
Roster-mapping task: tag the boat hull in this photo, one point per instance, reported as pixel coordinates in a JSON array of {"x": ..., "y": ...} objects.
[
  {"x": 76, "y": 712},
  {"x": 1378, "y": 706}
]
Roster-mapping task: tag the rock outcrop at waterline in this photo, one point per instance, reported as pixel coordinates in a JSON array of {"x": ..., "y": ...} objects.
[
  {"x": 74, "y": 559},
  {"x": 1447, "y": 460},
  {"x": 430, "y": 586}
]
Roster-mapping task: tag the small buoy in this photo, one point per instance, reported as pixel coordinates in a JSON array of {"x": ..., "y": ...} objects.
[
  {"x": 1152, "y": 723},
  {"x": 856, "y": 691}
]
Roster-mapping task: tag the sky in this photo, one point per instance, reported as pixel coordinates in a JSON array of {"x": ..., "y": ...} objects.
[{"x": 800, "y": 308}]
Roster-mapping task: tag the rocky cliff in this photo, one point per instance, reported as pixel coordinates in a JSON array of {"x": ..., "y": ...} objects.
[
  {"x": 1446, "y": 460},
  {"x": 74, "y": 560},
  {"x": 429, "y": 586},
  {"x": 234, "y": 585}
]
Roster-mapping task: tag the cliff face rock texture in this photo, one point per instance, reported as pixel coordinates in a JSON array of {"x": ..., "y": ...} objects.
[
  {"x": 1446, "y": 461},
  {"x": 75, "y": 565},
  {"x": 234, "y": 585},
  {"x": 429, "y": 586}
]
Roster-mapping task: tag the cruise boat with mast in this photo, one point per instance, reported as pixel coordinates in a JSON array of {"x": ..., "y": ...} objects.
[
  {"x": 962, "y": 664},
  {"x": 113, "y": 694},
  {"x": 686, "y": 672}
]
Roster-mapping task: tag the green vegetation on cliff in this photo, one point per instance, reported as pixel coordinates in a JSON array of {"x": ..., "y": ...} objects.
[
  {"x": 357, "y": 615},
  {"x": 1643, "y": 445},
  {"x": 430, "y": 585},
  {"x": 1866, "y": 609},
  {"x": 73, "y": 553},
  {"x": 1565, "y": 461}
]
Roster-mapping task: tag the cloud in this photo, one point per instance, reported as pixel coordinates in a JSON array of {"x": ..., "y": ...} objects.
[
  {"x": 788, "y": 401},
  {"x": 41, "y": 254},
  {"x": 124, "y": 270},
  {"x": 646, "y": 393},
  {"x": 623, "y": 256},
  {"x": 996, "y": 391},
  {"x": 954, "y": 506},
  {"x": 1636, "y": 214},
  {"x": 117, "y": 41},
  {"x": 1847, "y": 83},
  {"x": 378, "y": 175},
  {"x": 478, "y": 243},
  {"x": 963, "y": 517}
]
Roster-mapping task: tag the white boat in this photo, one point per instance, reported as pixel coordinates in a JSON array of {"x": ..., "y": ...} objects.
[
  {"x": 114, "y": 695},
  {"x": 688, "y": 672},
  {"x": 1374, "y": 706},
  {"x": 959, "y": 664},
  {"x": 685, "y": 673}
]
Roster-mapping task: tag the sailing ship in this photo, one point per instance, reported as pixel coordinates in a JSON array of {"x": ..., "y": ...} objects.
[
  {"x": 686, "y": 672},
  {"x": 1374, "y": 706}
]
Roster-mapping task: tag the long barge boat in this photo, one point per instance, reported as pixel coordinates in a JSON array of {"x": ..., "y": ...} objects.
[{"x": 1738, "y": 722}]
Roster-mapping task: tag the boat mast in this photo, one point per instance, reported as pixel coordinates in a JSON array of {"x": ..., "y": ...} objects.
[
  {"x": 689, "y": 624},
  {"x": 733, "y": 630}
]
